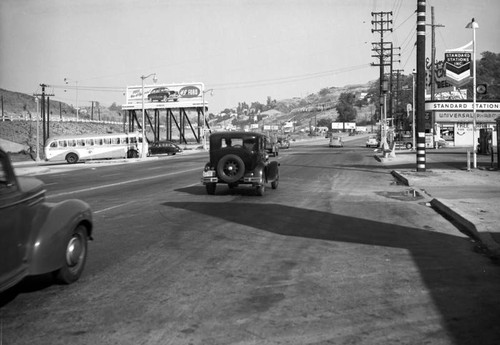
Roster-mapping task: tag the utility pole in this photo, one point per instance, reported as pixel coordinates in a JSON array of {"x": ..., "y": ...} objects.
[
  {"x": 391, "y": 81},
  {"x": 420, "y": 89},
  {"x": 397, "y": 90},
  {"x": 433, "y": 68},
  {"x": 433, "y": 53},
  {"x": 48, "y": 117},
  {"x": 381, "y": 22},
  {"x": 45, "y": 120}
]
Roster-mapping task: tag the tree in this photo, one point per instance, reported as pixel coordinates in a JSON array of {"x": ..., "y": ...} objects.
[
  {"x": 488, "y": 72},
  {"x": 114, "y": 107},
  {"x": 345, "y": 107},
  {"x": 323, "y": 92},
  {"x": 325, "y": 123}
]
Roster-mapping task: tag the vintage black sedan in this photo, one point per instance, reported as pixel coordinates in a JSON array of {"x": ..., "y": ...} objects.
[
  {"x": 240, "y": 158},
  {"x": 36, "y": 236},
  {"x": 163, "y": 147}
]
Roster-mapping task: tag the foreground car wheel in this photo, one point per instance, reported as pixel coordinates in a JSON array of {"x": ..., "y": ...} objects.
[
  {"x": 210, "y": 188},
  {"x": 230, "y": 168},
  {"x": 75, "y": 257}
]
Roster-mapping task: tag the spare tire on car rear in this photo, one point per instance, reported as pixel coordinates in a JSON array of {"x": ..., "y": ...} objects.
[{"x": 230, "y": 168}]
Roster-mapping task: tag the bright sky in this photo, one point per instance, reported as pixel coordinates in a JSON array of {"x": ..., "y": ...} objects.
[{"x": 246, "y": 50}]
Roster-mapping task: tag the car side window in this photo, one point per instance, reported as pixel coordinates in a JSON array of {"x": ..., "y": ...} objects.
[{"x": 3, "y": 173}]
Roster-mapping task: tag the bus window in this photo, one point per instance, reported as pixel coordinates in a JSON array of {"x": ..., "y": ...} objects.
[
  {"x": 62, "y": 143},
  {"x": 99, "y": 141},
  {"x": 53, "y": 144},
  {"x": 115, "y": 141},
  {"x": 89, "y": 142},
  {"x": 133, "y": 140},
  {"x": 80, "y": 142},
  {"x": 107, "y": 141},
  {"x": 71, "y": 142}
]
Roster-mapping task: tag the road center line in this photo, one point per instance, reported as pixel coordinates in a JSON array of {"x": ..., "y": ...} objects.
[
  {"x": 120, "y": 183},
  {"x": 112, "y": 207}
]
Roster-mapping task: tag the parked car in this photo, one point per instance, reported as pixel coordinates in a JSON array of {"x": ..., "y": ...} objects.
[
  {"x": 163, "y": 147},
  {"x": 336, "y": 141},
  {"x": 239, "y": 158},
  {"x": 38, "y": 237},
  {"x": 163, "y": 94},
  {"x": 372, "y": 141},
  {"x": 283, "y": 143}
]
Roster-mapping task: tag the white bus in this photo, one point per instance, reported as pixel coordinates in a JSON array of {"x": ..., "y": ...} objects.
[{"x": 74, "y": 148}]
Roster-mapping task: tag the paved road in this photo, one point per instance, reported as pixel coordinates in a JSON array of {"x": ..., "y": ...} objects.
[{"x": 338, "y": 254}]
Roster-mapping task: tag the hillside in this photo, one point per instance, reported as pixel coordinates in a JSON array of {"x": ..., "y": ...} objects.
[
  {"x": 24, "y": 132},
  {"x": 306, "y": 112},
  {"x": 21, "y": 105}
]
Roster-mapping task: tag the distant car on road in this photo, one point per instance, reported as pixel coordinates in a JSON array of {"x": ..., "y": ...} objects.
[
  {"x": 283, "y": 143},
  {"x": 372, "y": 141},
  {"x": 163, "y": 147},
  {"x": 38, "y": 237},
  {"x": 336, "y": 141},
  {"x": 239, "y": 158},
  {"x": 163, "y": 94}
]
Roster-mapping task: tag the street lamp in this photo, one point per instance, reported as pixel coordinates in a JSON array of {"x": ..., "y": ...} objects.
[
  {"x": 143, "y": 154},
  {"x": 67, "y": 80},
  {"x": 473, "y": 25},
  {"x": 204, "y": 119}
]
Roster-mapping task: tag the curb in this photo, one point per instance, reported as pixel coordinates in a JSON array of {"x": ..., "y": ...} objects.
[{"x": 490, "y": 246}]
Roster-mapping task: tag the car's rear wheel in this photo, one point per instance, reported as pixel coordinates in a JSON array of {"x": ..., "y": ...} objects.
[
  {"x": 230, "y": 168},
  {"x": 75, "y": 256},
  {"x": 211, "y": 188},
  {"x": 71, "y": 158}
]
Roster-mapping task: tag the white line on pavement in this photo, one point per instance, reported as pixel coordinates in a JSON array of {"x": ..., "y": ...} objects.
[{"x": 112, "y": 207}]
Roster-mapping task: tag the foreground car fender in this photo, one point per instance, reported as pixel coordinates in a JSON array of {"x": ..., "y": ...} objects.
[{"x": 58, "y": 222}]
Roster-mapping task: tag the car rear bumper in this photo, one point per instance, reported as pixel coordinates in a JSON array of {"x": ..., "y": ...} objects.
[{"x": 246, "y": 179}]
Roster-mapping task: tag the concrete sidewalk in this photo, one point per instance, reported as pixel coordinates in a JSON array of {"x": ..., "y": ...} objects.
[{"x": 468, "y": 198}]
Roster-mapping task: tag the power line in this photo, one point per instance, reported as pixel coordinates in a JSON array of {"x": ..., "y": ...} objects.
[{"x": 285, "y": 80}]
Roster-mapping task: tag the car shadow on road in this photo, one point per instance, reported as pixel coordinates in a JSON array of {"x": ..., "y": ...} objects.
[{"x": 439, "y": 258}]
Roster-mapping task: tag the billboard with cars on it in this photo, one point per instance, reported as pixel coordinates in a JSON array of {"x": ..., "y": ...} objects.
[{"x": 164, "y": 96}]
